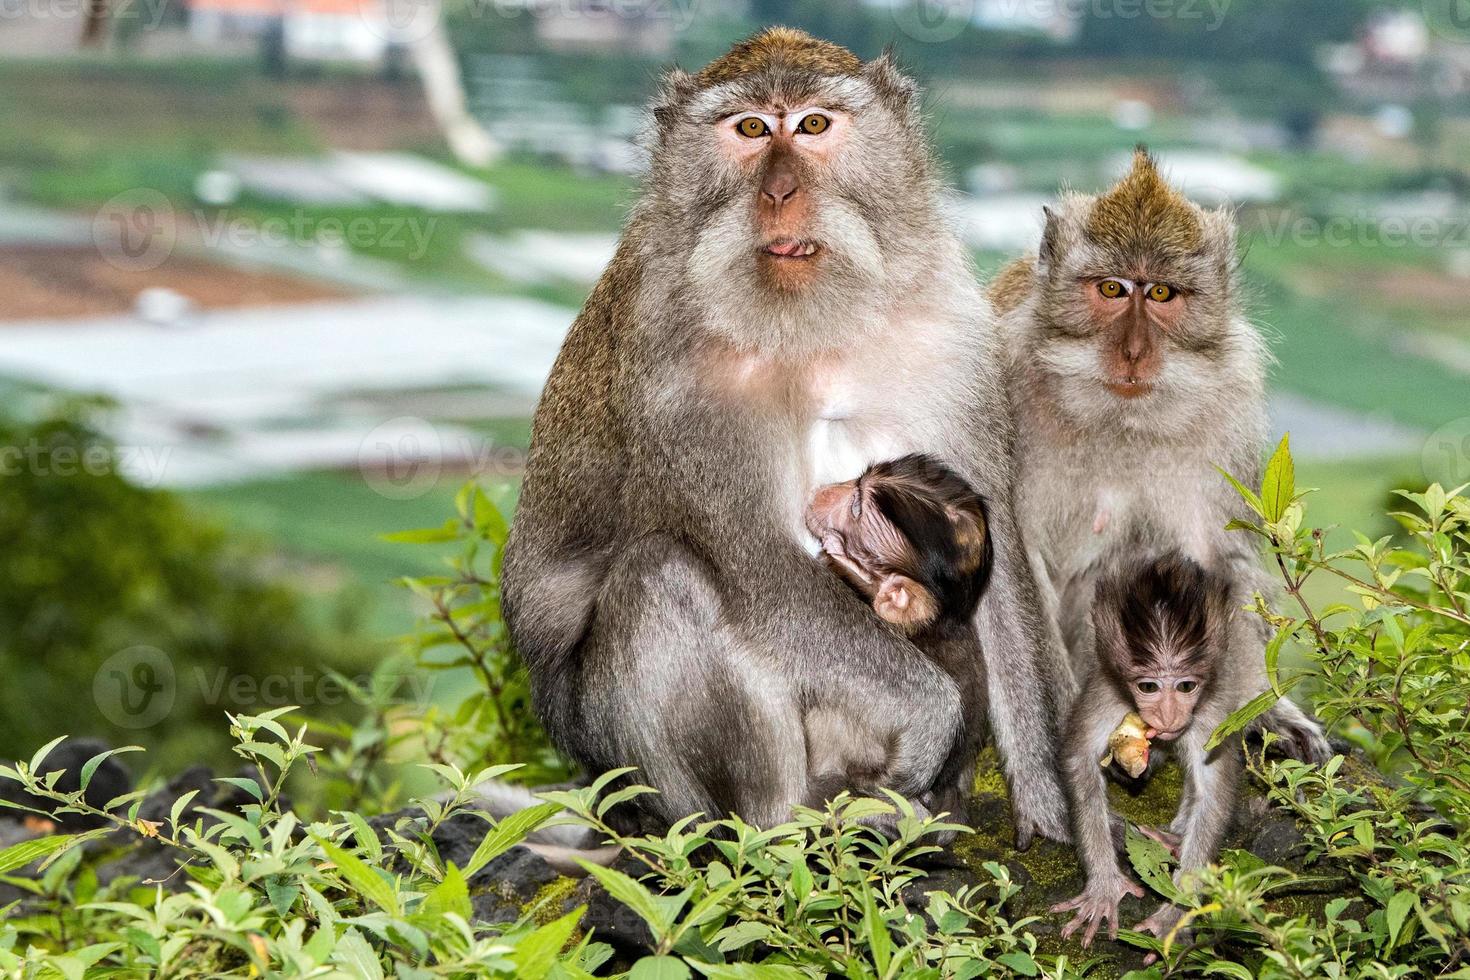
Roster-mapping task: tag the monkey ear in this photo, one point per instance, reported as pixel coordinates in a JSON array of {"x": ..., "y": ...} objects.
[
  {"x": 675, "y": 88},
  {"x": 1049, "y": 245},
  {"x": 899, "y": 91},
  {"x": 904, "y": 603}
]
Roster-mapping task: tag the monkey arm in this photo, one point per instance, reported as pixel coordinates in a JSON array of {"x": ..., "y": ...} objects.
[{"x": 1089, "y": 724}]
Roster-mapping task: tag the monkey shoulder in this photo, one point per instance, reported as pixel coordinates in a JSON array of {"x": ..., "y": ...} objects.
[{"x": 1012, "y": 284}]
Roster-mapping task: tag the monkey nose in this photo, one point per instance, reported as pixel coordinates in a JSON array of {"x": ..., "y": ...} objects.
[{"x": 779, "y": 186}]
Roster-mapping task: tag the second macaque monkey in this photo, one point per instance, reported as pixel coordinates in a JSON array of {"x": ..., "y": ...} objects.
[
  {"x": 911, "y": 537},
  {"x": 1161, "y": 640}
]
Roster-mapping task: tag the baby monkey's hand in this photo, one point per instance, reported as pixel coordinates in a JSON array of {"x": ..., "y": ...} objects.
[{"x": 1097, "y": 903}]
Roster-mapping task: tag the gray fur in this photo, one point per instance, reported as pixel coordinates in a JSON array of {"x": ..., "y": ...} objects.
[
  {"x": 1143, "y": 468},
  {"x": 701, "y": 635}
]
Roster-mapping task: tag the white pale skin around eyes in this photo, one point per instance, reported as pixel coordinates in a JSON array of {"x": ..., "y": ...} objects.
[
  {"x": 815, "y": 131},
  {"x": 1116, "y": 287}
]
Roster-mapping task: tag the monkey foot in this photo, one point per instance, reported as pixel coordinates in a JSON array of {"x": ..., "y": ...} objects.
[{"x": 1096, "y": 905}]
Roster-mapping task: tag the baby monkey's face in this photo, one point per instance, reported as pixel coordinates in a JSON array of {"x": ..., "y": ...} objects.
[{"x": 909, "y": 536}]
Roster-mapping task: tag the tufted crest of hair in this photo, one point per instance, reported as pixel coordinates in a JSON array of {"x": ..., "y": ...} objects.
[
  {"x": 782, "y": 48},
  {"x": 1169, "y": 616},
  {"x": 943, "y": 519},
  {"x": 1143, "y": 213}
]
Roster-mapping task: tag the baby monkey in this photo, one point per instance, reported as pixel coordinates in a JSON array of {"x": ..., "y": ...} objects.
[
  {"x": 1160, "y": 635},
  {"x": 911, "y": 537}
]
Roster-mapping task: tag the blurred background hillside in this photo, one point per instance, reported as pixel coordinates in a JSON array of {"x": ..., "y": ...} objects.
[{"x": 278, "y": 276}]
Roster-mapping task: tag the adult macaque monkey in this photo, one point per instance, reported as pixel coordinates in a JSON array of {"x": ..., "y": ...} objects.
[
  {"x": 1133, "y": 375},
  {"x": 787, "y": 305}
]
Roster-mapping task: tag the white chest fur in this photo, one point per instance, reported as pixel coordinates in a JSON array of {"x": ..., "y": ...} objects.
[
  {"x": 1075, "y": 511},
  {"x": 864, "y": 412}
]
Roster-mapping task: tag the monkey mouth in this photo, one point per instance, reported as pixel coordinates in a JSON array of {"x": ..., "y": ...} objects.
[
  {"x": 791, "y": 248},
  {"x": 1155, "y": 734},
  {"x": 1129, "y": 387}
]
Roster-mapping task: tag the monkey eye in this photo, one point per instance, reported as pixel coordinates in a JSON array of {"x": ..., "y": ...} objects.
[
  {"x": 1186, "y": 687},
  {"x": 1112, "y": 288},
  {"x": 1161, "y": 292},
  {"x": 1148, "y": 687},
  {"x": 813, "y": 124},
  {"x": 752, "y": 127}
]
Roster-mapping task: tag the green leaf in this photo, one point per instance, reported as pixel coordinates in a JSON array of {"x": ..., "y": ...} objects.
[
  {"x": 365, "y": 879},
  {"x": 876, "y": 929},
  {"x": 1398, "y": 910},
  {"x": 537, "y": 953},
  {"x": 1238, "y": 719},
  {"x": 1020, "y": 962},
  {"x": 356, "y": 956},
  {"x": 450, "y": 895},
  {"x": 509, "y": 832},
  {"x": 44, "y": 751},
  {"x": 90, "y": 766},
  {"x": 632, "y": 894},
  {"x": 748, "y": 971},
  {"x": 22, "y": 854},
  {"x": 659, "y": 968},
  {"x": 1151, "y": 861},
  {"x": 1246, "y": 493},
  {"x": 1278, "y": 485}
]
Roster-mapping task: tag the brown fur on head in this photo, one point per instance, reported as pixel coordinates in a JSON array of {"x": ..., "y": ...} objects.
[
  {"x": 1133, "y": 311},
  {"x": 779, "y": 48},
  {"x": 911, "y": 537},
  {"x": 1142, "y": 214},
  {"x": 793, "y": 239}
]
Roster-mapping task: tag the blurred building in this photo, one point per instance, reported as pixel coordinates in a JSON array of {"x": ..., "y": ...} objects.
[{"x": 313, "y": 30}]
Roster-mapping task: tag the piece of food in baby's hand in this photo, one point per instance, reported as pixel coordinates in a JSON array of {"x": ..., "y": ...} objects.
[{"x": 1128, "y": 746}]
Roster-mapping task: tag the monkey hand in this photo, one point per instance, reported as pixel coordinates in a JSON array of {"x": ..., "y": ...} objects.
[
  {"x": 1098, "y": 903},
  {"x": 1161, "y": 923}
]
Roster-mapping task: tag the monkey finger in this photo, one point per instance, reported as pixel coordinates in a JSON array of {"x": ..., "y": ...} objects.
[
  {"x": 1068, "y": 905},
  {"x": 1092, "y": 925},
  {"x": 1072, "y": 926},
  {"x": 1025, "y": 834},
  {"x": 1134, "y": 889}
]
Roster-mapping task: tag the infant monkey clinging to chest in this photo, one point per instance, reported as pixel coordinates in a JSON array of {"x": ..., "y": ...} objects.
[{"x": 911, "y": 537}]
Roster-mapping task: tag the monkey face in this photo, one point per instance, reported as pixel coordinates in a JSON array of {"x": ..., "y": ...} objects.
[
  {"x": 780, "y": 162},
  {"x": 1136, "y": 303},
  {"x": 1166, "y": 702},
  {"x": 1159, "y": 633}
]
